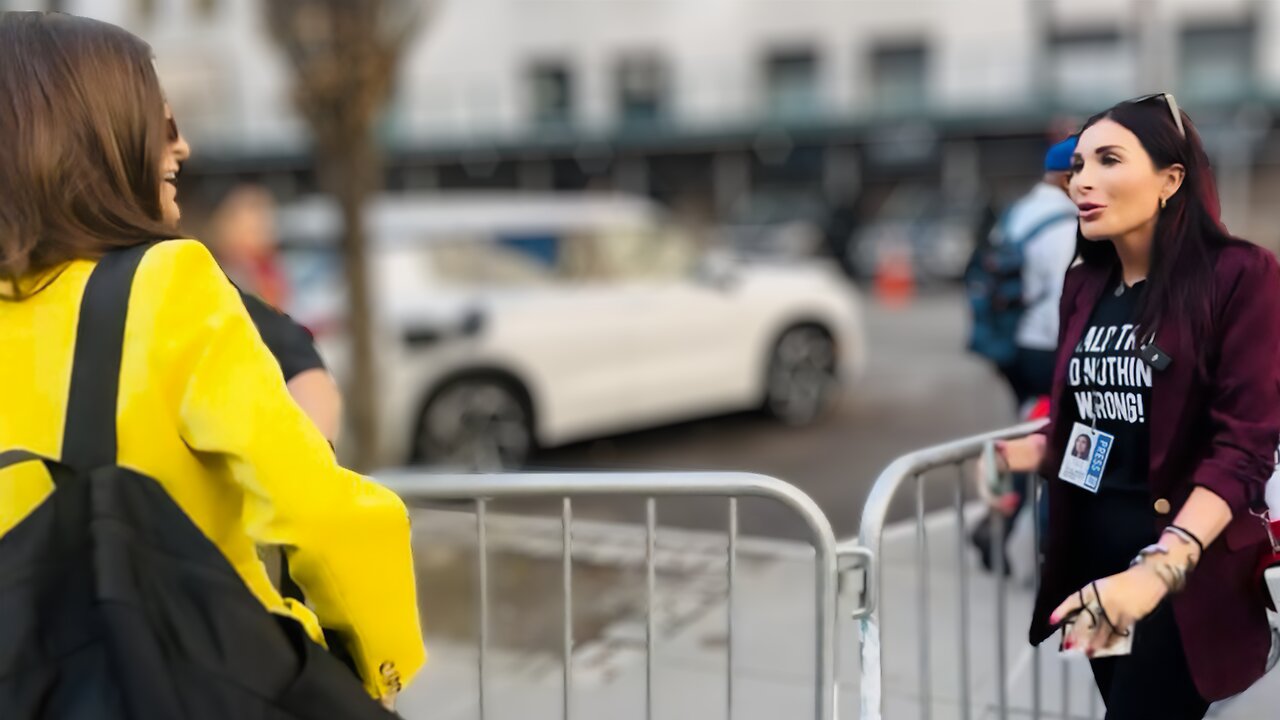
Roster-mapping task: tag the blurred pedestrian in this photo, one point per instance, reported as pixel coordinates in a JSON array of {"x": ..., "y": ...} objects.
[
  {"x": 1043, "y": 224},
  {"x": 1015, "y": 288},
  {"x": 1168, "y": 363},
  {"x": 305, "y": 374},
  {"x": 840, "y": 230},
  {"x": 244, "y": 242},
  {"x": 201, "y": 414}
]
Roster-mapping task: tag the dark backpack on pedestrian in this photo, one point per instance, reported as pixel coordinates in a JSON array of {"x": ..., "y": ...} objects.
[
  {"x": 993, "y": 281},
  {"x": 115, "y": 606}
]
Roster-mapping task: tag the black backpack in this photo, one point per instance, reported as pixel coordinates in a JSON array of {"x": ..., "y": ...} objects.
[
  {"x": 993, "y": 283},
  {"x": 115, "y": 606}
]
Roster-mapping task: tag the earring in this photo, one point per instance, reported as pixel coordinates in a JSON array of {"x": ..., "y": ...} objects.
[{"x": 1163, "y": 202}]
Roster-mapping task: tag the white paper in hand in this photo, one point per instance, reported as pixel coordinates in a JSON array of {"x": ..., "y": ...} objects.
[{"x": 1119, "y": 646}]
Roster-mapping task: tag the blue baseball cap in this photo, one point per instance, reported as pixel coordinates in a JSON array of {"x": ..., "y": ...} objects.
[{"x": 1058, "y": 159}]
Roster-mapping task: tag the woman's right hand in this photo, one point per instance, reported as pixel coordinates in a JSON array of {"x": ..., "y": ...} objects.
[{"x": 1021, "y": 455}]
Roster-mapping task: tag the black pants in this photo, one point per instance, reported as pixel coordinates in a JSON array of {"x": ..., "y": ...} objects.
[
  {"x": 1030, "y": 375},
  {"x": 1153, "y": 682}
]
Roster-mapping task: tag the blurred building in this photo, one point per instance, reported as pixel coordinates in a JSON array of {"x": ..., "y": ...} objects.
[{"x": 710, "y": 103}]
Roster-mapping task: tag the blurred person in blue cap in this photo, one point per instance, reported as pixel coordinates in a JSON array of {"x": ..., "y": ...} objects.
[
  {"x": 1015, "y": 285},
  {"x": 1044, "y": 222}
]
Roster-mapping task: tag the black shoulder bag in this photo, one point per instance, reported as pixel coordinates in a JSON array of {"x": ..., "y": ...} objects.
[{"x": 115, "y": 606}]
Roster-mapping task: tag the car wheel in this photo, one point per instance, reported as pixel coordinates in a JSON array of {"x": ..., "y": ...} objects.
[
  {"x": 476, "y": 424},
  {"x": 802, "y": 375}
]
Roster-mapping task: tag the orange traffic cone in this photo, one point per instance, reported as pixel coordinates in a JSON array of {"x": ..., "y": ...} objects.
[{"x": 895, "y": 280}]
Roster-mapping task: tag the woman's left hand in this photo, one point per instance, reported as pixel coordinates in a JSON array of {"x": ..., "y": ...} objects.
[{"x": 1124, "y": 599}]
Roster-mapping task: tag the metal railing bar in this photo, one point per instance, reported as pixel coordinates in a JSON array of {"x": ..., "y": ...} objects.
[
  {"x": 651, "y": 592},
  {"x": 567, "y": 527},
  {"x": 482, "y": 551},
  {"x": 922, "y": 604},
  {"x": 732, "y": 578}
]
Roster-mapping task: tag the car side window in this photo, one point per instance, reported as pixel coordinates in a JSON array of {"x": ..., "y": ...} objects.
[
  {"x": 504, "y": 262},
  {"x": 627, "y": 254}
]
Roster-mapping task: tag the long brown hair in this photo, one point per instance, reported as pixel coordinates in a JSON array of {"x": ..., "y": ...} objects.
[{"x": 82, "y": 136}]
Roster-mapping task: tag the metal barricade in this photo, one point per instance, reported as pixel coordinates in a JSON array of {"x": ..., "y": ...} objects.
[
  {"x": 912, "y": 468},
  {"x": 482, "y": 489}
]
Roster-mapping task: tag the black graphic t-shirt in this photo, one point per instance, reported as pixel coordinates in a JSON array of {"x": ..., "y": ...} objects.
[{"x": 1108, "y": 380}]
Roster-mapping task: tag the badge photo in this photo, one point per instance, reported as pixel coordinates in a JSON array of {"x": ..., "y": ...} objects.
[{"x": 1086, "y": 457}]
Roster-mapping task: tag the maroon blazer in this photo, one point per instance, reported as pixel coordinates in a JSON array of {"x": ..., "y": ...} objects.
[{"x": 1217, "y": 428}]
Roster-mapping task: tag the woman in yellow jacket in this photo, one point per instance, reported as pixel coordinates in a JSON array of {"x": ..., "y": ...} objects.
[{"x": 87, "y": 160}]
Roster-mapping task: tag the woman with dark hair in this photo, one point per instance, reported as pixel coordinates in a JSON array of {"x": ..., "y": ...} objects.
[
  {"x": 87, "y": 163},
  {"x": 1167, "y": 360},
  {"x": 1081, "y": 449}
]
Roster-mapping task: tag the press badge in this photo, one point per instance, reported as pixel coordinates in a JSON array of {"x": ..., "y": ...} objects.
[{"x": 1086, "y": 457}]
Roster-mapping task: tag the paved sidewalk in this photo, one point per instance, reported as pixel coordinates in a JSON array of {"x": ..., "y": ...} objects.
[
  {"x": 773, "y": 638},
  {"x": 773, "y": 635}
]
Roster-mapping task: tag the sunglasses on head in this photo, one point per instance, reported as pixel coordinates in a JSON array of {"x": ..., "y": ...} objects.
[{"x": 1169, "y": 102}]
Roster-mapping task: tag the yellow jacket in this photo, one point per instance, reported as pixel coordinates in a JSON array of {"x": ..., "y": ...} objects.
[{"x": 204, "y": 410}]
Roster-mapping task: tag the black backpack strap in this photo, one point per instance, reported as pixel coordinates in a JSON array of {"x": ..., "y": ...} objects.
[
  {"x": 9, "y": 458},
  {"x": 89, "y": 438}
]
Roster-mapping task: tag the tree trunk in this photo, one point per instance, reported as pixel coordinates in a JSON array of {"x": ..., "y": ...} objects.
[
  {"x": 345, "y": 54},
  {"x": 352, "y": 180}
]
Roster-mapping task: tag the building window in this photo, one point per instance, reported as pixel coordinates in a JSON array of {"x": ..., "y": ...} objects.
[
  {"x": 791, "y": 84},
  {"x": 642, "y": 90},
  {"x": 551, "y": 93},
  {"x": 900, "y": 78},
  {"x": 1217, "y": 64},
  {"x": 1091, "y": 69}
]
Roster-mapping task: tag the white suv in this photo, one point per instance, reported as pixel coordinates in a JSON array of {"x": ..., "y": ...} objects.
[{"x": 515, "y": 321}]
